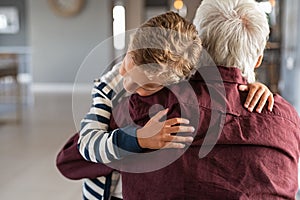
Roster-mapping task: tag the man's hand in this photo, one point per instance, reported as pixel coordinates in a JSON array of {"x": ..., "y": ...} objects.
[
  {"x": 258, "y": 94},
  {"x": 156, "y": 134}
]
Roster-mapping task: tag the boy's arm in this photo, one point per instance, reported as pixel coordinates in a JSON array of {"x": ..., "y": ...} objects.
[
  {"x": 95, "y": 142},
  {"x": 258, "y": 96}
]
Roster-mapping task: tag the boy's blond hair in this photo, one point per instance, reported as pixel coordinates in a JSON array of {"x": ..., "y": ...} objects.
[{"x": 166, "y": 46}]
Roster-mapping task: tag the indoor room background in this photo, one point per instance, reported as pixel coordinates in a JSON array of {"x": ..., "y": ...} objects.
[{"x": 50, "y": 52}]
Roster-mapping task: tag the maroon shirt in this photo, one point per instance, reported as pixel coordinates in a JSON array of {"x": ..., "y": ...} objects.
[{"x": 255, "y": 157}]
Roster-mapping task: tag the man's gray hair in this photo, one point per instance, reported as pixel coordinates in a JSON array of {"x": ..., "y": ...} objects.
[{"x": 234, "y": 32}]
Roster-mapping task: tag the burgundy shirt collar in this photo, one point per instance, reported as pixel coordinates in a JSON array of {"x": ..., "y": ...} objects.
[{"x": 220, "y": 73}]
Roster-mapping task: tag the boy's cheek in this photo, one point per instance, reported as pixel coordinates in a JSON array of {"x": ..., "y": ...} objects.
[{"x": 121, "y": 70}]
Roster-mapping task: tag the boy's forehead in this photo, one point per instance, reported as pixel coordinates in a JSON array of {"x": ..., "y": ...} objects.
[{"x": 138, "y": 75}]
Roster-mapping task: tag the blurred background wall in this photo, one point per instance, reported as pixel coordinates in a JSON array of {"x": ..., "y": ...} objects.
[
  {"x": 290, "y": 62},
  {"x": 59, "y": 44},
  {"x": 53, "y": 56}
]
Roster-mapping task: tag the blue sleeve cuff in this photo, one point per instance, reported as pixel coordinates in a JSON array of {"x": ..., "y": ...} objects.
[{"x": 126, "y": 142}]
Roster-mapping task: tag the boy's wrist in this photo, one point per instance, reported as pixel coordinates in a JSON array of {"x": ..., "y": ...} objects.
[{"x": 126, "y": 141}]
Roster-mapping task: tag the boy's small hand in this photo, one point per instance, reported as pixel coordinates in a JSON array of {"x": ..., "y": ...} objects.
[
  {"x": 156, "y": 134},
  {"x": 258, "y": 94}
]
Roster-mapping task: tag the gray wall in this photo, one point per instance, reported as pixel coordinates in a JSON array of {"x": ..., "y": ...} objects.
[
  {"x": 20, "y": 38},
  {"x": 290, "y": 73},
  {"x": 192, "y": 6},
  {"x": 134, "y": 13},
  {"x": 59, "y": 45}
]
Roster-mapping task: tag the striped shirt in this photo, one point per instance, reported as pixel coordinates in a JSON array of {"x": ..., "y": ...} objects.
[{"x": 96, "y": 143}]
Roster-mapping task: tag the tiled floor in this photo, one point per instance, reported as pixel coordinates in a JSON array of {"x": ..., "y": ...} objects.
[{"x": 28, "y": 152}]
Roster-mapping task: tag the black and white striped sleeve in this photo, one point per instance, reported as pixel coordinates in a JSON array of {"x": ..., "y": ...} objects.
[{"x": 95, "y": 143}]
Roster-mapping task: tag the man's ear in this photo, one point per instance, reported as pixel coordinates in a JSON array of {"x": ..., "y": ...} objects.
[{"x": 259, "y": 61}]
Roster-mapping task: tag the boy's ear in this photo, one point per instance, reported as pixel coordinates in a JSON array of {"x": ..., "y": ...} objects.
[{"x": 259, "y": 61}]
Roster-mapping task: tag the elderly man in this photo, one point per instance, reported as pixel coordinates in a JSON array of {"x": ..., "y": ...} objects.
[{"x": 254, "y": 156}]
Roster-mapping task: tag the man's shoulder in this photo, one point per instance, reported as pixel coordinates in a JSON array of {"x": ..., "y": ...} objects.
[{"x": 285, "y": 110}]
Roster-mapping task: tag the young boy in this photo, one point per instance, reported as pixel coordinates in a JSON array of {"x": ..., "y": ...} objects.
[{"x": 163, "y": 51}]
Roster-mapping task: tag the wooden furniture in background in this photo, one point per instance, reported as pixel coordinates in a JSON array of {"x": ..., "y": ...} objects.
[{"x": 10, "y": 88}]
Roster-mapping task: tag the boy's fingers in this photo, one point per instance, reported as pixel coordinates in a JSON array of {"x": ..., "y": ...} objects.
[
  {"x": 271, "y": 102},
  {"x": 182, "y": 139},
  {"x": 262, "y": 102},
  {"x": 173, "y": 145},
  {"x": 255, "y": 100},
  {"x": 180, "y": 129},
  {"x": 243, "y": 88},
  {"x": 249, "y": 98},
  {"x": 174, "y": 121}
]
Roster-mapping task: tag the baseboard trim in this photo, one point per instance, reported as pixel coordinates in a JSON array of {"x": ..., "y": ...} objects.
[{"x": 61, "y": 88}]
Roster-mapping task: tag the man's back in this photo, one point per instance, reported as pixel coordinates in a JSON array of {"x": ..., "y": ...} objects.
[{"x": 255, "y": 156}]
